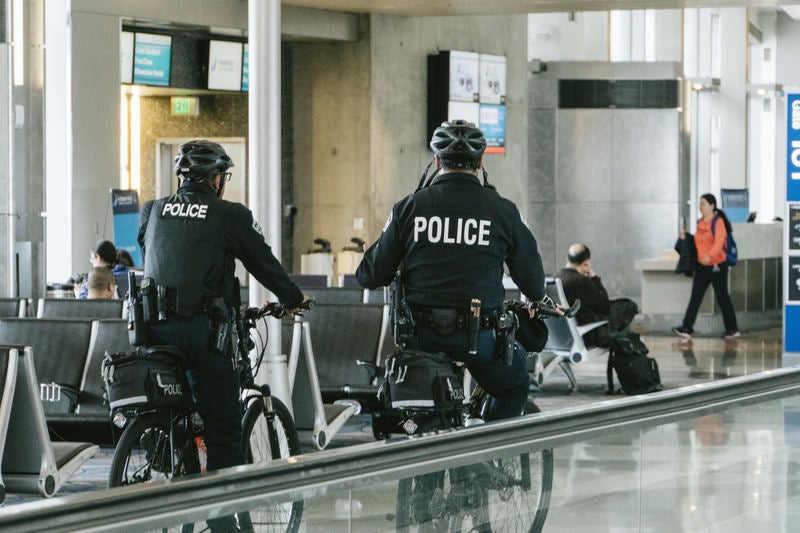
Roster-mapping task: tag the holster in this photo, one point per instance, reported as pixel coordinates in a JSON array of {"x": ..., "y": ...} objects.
[
  {"x": 506, "y": 336},
  {"x": 220, "y": 322},
  {"x": 137, "y": 327}
]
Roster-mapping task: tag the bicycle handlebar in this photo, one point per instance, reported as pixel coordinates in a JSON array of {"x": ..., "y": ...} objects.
[
  {"x": 546, "y": 308},
  {"x": 275, "y": 309}
]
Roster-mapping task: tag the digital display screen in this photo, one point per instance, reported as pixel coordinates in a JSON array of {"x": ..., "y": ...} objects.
[
  {"x": 246, "y": 68},
  {"x": 225, "y": 65},
  {"x": 152, "y": 59}
]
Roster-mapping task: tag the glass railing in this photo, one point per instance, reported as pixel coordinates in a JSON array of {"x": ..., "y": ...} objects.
[{"x": 692, "y": 459}]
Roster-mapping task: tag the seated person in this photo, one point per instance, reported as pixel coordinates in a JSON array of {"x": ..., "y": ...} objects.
[
  {"x": 581, "y": 282},
  {"x": 100, "y": 284},
  {"x": 103, "y": 255}
]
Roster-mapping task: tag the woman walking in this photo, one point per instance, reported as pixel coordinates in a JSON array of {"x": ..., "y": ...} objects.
[{"x": 711, "y": 268}]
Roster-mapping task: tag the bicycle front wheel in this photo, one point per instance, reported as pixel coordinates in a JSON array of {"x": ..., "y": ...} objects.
[
  {"x": 143, "y": 453},
  {"x": 269, "y": 436}
]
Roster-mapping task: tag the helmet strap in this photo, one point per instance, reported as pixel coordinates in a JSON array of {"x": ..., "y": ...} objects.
[
  {"x": 485, "y": 177},
  {"x": 426, "y": 180}
]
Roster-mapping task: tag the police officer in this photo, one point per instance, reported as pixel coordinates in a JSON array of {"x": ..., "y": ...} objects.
[
  {"x": 189, "y": 241},
  {"x": 453, "y": 237}
]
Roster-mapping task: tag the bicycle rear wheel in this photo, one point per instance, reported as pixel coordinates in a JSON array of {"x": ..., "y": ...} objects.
[
  {"x": 143, "y": 455},
  {"x": 509, "y": 495},
  {"x": 268, "y": 436}
]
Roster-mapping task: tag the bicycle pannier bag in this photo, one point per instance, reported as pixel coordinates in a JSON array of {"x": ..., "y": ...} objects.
[
  {"x": 421, "y": 379},
  {"x": 153, "y": 380}
]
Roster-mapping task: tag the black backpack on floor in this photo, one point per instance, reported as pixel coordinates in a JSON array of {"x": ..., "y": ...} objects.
[{"x": 637, "y": 373}]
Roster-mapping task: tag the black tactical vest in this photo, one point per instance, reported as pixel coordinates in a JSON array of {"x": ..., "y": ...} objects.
[{"x": 186, "y": 249}]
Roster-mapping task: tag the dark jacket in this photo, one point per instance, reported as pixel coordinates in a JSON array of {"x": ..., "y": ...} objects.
[
  {"x": 595, "y": 304},
  {"x": 190, "y": 239},
  {"x": 453, "y": 238},
  {"x": 688, "y": 255}
]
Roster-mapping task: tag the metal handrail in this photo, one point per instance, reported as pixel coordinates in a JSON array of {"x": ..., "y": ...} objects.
[{"x": 141, "y": 506}]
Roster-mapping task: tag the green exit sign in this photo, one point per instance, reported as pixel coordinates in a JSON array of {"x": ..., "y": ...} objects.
[{"x": 184, "y": 106}]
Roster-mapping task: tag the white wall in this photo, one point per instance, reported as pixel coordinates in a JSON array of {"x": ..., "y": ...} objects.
[{"x": 559, "y": 37}]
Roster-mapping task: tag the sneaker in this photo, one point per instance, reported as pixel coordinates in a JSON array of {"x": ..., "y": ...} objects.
[
  {"x": 683, "y": 332},
  {"x": 730, "y": 335}
]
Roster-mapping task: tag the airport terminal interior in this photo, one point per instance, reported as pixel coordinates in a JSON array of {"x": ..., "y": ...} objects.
[{"x": 606, "y": 122}]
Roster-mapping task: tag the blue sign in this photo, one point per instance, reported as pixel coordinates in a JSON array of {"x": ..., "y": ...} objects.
[
  {"x": 736, "y": 204},
  {"x": 125, "y": 207},
  {"x": 791, "y": 328},
  {"x": 151, "y": 59},
  {"x": 793, "y": 148},
  {"x": 246, "y": 69}
]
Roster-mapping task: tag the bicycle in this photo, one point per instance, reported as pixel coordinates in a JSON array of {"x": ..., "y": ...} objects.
[
  {"x": 502, "y": 494},
  {"x": 166, "y": 444}
]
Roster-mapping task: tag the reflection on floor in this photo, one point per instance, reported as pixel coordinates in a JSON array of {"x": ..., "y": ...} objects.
[
  {"x": 688, "y": 462},
  {"x": 680, "y": 364}
]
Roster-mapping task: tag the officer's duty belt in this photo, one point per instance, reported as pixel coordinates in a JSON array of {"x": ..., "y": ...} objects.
[{"x": 424, "y": 319}]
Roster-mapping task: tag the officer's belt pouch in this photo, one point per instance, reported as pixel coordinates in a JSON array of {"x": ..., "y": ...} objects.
[
  {"x": 416, "y": 379},
  {"x": 444, "y": 321},
  {"x": 148, "y": 379}
]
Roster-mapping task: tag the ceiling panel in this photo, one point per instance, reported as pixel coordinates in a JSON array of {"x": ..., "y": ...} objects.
[{"x": 502, "y": 7}]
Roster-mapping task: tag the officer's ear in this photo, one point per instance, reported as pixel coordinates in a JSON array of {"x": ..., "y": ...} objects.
[
  {"x": 438, "y": 162},
  {"x": 218, "y": 182}
]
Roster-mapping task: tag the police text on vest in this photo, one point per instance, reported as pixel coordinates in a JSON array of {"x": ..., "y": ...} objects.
[
  {"x": 183, "y": 210},
  {"x": 452, "y": 231}
]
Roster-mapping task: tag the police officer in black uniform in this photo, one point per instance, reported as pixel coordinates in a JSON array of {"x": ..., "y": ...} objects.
[
  {"x": 452, "y": 238},
  {"x": 189, "y": 241}
]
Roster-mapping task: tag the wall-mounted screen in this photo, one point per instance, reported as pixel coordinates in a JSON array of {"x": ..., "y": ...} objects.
[
  {"x": 224, "y": 65},
  {"x": 246, "y": 68},
  {"x": 152, "y": 59},
  {"x": 126, "y": 56}
]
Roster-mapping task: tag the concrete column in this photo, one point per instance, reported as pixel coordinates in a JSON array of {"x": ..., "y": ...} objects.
[
  {"x": 264, "y": 36},
  {"x": 733, "y": 98},
  {"x": 6, "y": 217},
  {"x": 27, "y": 144}
]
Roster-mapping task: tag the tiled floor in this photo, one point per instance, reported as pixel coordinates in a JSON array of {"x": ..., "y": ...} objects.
[{"x": 680, "y": 363}]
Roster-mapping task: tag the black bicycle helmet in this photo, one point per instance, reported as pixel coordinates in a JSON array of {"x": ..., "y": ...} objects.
[
  {"x": 459, "y": 143},
  {"x": 200, "y": 159}
]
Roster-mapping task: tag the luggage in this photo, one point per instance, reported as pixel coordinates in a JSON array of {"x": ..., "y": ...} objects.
[{"x": 637, "y": 373}]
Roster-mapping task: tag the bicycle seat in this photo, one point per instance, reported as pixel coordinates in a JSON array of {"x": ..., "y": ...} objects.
[{"x": 167, "y": 349}]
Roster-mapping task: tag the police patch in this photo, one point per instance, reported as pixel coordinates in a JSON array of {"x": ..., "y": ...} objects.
[
  {"x": 257, "y": 227},
  {"x": 184, "y": 210}
]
